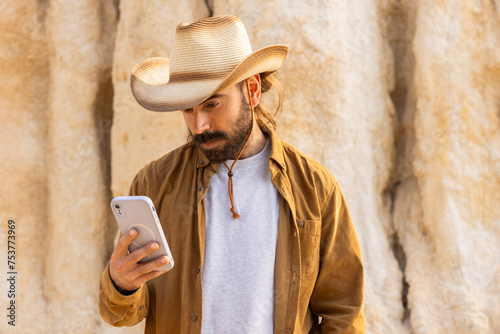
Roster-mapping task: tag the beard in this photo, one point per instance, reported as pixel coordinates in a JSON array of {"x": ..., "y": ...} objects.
[{"x": 233, "y": 141}]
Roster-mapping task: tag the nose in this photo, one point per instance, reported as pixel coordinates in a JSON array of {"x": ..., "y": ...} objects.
[{"x": 201, "y": 121}]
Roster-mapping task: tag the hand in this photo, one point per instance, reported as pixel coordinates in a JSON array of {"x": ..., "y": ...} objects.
[{"x": 124, "y": 269}]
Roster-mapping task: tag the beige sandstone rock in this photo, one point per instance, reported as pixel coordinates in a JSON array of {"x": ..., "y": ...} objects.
[
  {"x": 56, "y": 66},
  {"x": 81, "y": 38},
  {"x": 447, "y": 209},
  {"x": 24, "y": 80}
]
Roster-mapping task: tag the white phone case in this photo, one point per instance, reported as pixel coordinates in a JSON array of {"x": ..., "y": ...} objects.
[{"x": 138, "y": 212}]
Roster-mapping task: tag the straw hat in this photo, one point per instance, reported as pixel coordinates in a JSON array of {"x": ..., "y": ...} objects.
[{"x": 207, "y": 56}]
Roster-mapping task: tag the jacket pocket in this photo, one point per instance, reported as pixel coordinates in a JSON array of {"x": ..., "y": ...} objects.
[{"x": 309, "y": 239}]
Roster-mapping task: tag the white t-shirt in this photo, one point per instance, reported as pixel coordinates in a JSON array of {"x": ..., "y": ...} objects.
[{"x": 238, "y": 269}]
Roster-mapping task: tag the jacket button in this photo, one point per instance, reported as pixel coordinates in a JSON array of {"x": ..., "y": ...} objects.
[
  {"x": 200, "y": 188},
  {"x": 194, "y": 317},
  {"x": 301, "y": 223},
  {"x": 202, "y": 162}
]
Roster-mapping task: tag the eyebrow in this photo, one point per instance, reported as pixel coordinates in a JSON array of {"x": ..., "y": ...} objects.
[{"x": 215, "y": 96}]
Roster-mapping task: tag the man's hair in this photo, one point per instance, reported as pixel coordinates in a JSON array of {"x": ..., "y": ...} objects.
[{"x": 267, "y": 82}]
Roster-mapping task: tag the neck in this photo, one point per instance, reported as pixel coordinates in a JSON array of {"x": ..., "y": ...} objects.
[{"x": 256, "y": 142}]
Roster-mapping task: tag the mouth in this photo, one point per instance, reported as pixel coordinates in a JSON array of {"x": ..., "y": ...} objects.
[{"x": 210, "y": 144}]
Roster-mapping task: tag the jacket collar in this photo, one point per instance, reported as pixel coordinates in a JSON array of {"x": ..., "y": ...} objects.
[
  {"x": 276, "y": 149},
  {"x": 202, "y": 161},
  {"x": 276, "y": 146}
]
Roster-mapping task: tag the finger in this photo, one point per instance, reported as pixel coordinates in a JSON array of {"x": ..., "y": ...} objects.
[
  {"x": 142, "y": 273},
  {"x": 149, "y": 276},
  {"x": 121, "y": 248},
  {"x": 142, "y": 252},
  {"x": 150, "y": 266}
]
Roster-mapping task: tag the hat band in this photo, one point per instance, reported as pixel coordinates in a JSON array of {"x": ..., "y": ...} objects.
[{"x": 195, "y": 76}]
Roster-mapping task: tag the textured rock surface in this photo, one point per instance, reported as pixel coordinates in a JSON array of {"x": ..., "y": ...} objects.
[
  {"x": 81, "y": 38},
  {"x": 24, "y": 60},
  {"x": 447, "y": 210},
  {"x": 399, "y": 99},
  {"x": 56, "y": 96}
]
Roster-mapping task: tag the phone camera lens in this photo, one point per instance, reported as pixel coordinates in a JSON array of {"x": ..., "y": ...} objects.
[{"x": 117, "y": 206}]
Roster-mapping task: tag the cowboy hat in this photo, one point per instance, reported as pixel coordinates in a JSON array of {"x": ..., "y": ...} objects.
[{"x": 207, "y": 56}]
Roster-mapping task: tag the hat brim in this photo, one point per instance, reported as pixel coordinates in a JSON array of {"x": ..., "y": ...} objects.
[{"x": 151, "y": 88}]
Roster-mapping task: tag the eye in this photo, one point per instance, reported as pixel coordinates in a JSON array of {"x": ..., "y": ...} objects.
[
  {"x": 211, "y": 105},
  {"x": 187, "y": 111}
]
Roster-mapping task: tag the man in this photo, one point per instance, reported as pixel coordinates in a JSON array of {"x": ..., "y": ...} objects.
[{"x": 261, "y": 234}]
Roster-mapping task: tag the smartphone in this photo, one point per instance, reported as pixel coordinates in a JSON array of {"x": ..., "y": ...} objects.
[{"x": 138, "y": 212}]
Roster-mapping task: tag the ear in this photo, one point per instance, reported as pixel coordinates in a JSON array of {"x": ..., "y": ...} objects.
[{"x": 254, "y": 83}]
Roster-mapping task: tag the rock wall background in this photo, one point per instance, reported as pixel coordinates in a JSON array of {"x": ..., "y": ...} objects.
[{"x": 399, "y": 99}]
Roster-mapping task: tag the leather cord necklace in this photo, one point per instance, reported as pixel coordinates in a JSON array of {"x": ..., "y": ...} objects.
[{"x": 230, "y": 170}]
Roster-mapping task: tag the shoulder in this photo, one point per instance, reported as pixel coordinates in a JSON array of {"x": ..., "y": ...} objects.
[
  {"x": 314, "y": 188},
  {"x": 303, "y": 172},
  {"x": 159, "y": 170},
  {"x": 298, "y": 163},
  {"x": 313, "y": 185}
]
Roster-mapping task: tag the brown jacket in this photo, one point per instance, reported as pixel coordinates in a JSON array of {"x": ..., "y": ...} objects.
[{"x": 318, "y": 270}]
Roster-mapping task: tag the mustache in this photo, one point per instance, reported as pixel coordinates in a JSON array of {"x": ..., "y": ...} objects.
[{"x": 205, "y": 137}]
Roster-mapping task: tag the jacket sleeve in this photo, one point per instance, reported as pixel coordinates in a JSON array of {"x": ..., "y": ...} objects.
[
  {"x": 339, "y": 292},
  {"x": 118, "y": 309}
]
